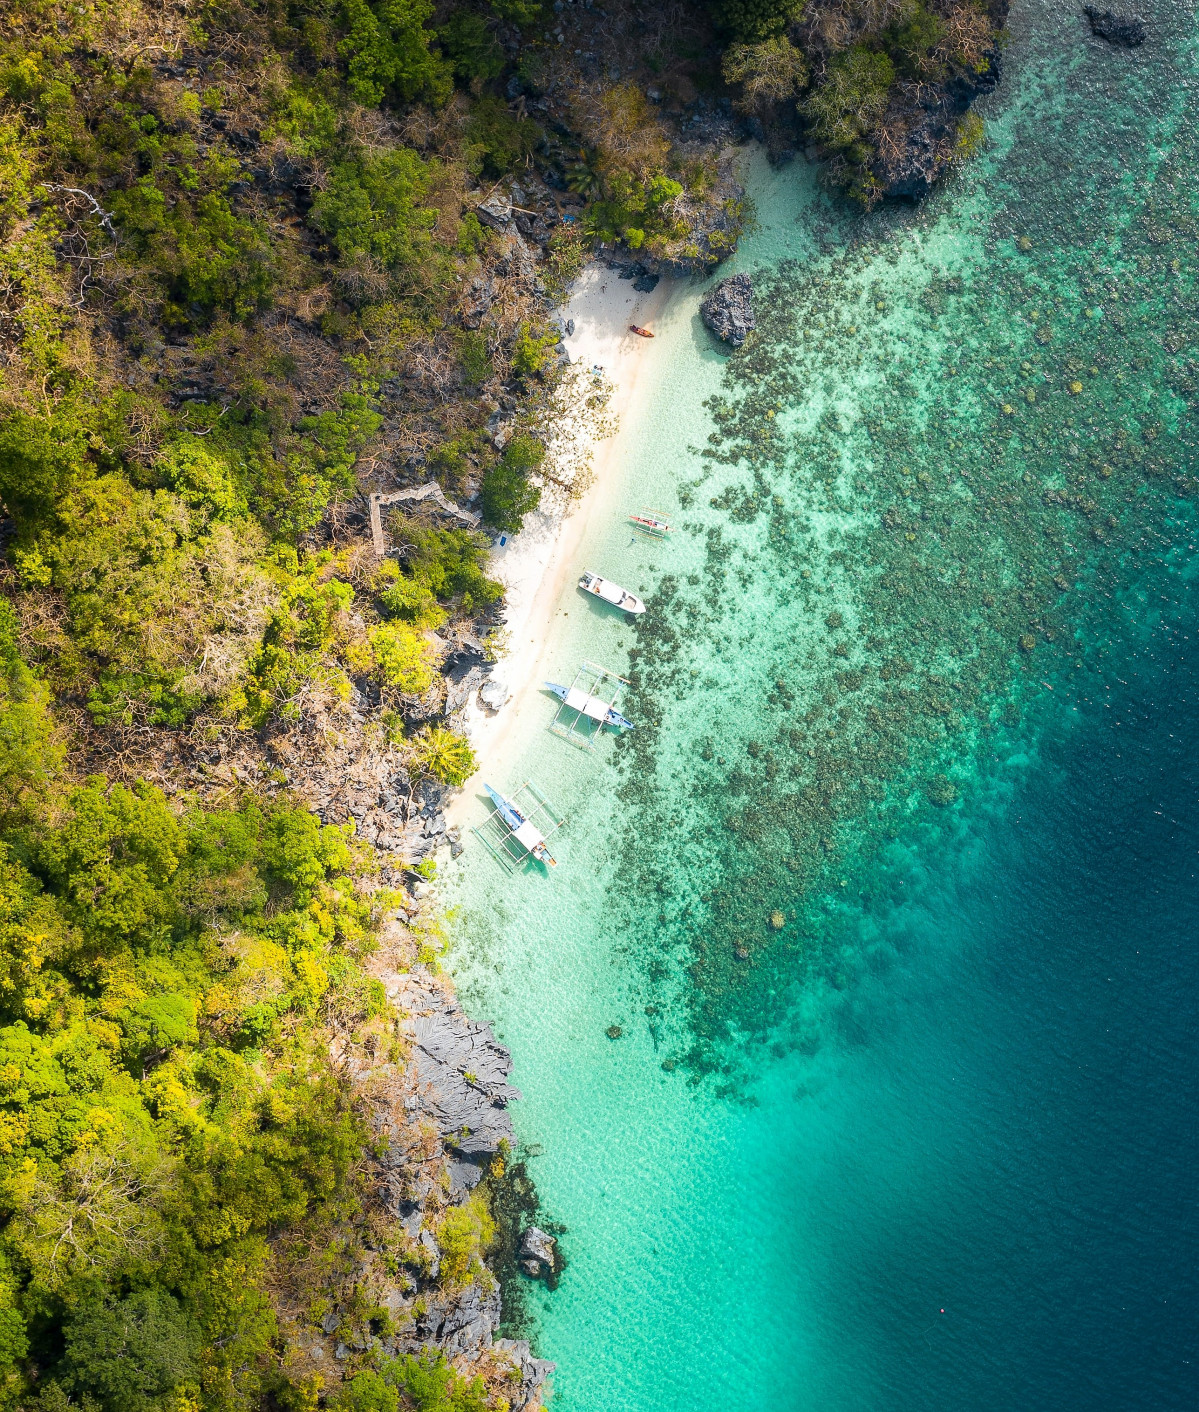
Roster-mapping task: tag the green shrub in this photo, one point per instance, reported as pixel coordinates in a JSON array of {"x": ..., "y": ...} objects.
[
  {"x": 404, "y": 659},
  {"x": 414, "y": 602},
  {"x": 132, "y": 1354},
  {"x": 912, "y": 39},
  {"x": 372, "y": 215},
  {"x": 470, "y": 46},
  {"x": 532, "y": 350},
  {"x": 473, "y": 354},
  {"x": 749, "y": 21},
  {"x": 451, "y": 563}
]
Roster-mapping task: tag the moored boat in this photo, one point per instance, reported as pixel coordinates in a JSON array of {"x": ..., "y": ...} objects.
[
  {"x": 640, "y": 332},
  {"x": 652, "y": 522},
  {"x": 610, "y": 592},
  {"x": 595, "y": 708},
  {"x": 526, "y": 833}
]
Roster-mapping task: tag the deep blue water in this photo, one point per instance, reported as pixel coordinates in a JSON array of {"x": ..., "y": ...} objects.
[{"x": 1043, "y": 1084}]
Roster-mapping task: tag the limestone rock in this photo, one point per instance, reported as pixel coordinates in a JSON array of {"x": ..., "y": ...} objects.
[
  {"x": 533, "y": 1372},
  {"x": 727, "y": 309},
  {"x": 536, "y": 1253},
  {"x": 493, "y": 695}
]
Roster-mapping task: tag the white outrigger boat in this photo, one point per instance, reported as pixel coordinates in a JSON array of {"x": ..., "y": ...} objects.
[
  {"x": 651, "y": 522},
  {"x": 595, "y": 708},
  {"x": 522, "y": 830},
  {"x": 610, "y": 592}
]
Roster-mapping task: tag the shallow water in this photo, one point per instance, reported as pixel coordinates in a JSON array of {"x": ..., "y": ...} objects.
[{"x": 919, "y": 675}]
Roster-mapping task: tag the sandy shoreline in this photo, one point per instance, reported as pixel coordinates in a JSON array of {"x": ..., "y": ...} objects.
[{"x": 535, "y": 565}]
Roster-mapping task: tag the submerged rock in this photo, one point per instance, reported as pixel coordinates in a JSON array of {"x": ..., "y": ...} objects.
[
  {"x": 728, "y": 310},
  {"x": 536, "y": 1253},
  {"x": 1124, "y": 30}
]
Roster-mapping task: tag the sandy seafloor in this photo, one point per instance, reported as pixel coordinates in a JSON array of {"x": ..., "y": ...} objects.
[{"x": 967, "y": 1179}]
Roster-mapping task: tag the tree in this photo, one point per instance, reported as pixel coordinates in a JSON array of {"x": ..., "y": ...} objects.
[
  {"x": 508, "y": 495},
  {"x": 403, "y": 657},
  {"x": 388, "y": 52},
  {"x": 852, "y": 98},
  {"x": 752, "y": 20},
  {"x": 133, "y": 1354},
  {"x": 445, "y": 755},
  {"x": 771, "y": 71}
]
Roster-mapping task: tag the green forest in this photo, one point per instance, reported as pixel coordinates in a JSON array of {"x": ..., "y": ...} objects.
[{"x": 247, "y": 275}]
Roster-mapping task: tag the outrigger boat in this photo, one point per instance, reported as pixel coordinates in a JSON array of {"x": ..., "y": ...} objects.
[
  {"x": 651, "y": 522},
  {"x": 610, "y": 592},
  {"x": 595, "y": 708},
  {"x": 523, "y": 830},
  {"x": 640, "y": 332}
]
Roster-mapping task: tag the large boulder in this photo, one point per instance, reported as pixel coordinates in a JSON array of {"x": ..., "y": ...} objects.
[
  {"x": 1125, "y": 30},
  {"x": 728, "y": 309},
  {"x": 537, "y": 1253}
]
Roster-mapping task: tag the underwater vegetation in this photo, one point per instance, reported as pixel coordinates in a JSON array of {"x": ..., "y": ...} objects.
[{"x": 933, "y": 480}]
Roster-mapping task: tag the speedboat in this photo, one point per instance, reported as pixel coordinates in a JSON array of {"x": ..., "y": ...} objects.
[
  {"x": 611, "y": 592},
  {"x": 526, "y": 833},
  {"x": 595, "y": 708}
]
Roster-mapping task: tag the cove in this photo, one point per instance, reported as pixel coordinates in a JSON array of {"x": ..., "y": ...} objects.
[{"x": 918, "y": 676}]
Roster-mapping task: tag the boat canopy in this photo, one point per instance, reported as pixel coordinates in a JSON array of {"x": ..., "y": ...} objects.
[
  {"x": 595, "y": 707},
  {"x": 610, "y": 592},
  {"x": 528, "y": 836}
]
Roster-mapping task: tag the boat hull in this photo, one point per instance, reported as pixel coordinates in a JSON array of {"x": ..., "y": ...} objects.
[{"x": 611, "y": 593}]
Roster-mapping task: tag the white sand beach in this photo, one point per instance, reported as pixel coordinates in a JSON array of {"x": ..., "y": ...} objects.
[{"x": 535, "y": 565}]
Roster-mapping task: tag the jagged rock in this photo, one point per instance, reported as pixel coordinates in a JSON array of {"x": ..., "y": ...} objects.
[
  {"x": 533, "y": 1372},
  {"x": 727, "y": 309},
  {"x": 536, "y": 1252},
  {"x": 446, "y": 1046},
  {"x": 1124, "y": 30},
  {"x": 926, "y": 141},
  {"x": 495, "y": 212},
  {"x": 493, "y": 695},
  {"x": 464, "y": 1323}
]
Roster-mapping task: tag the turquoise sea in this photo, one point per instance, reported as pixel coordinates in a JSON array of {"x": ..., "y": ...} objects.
[{"x": 892, "y": 891}]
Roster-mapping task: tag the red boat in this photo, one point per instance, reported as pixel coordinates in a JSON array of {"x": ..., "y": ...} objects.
[{"x": 640, "y": 332}]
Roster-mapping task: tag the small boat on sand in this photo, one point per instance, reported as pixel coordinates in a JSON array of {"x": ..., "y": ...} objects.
[
  {"x": 595, "y": 708},
  {"x": 640, "y": 332},
  {"x": 525, "y": 833},
  {"x": 611, "y": 592}
]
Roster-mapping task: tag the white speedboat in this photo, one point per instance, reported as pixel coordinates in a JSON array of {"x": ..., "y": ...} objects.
[{"x": 611, "y": 592}]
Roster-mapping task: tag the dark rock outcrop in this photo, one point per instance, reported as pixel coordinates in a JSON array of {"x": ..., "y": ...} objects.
[
  {"x": 923, "y": 142},
  {"x": 728, "y": 310},
  {"x": 460, "y": 1070},
  {"x": 1124, "y": 30},
  {"x": 536, "y": 1253}
]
